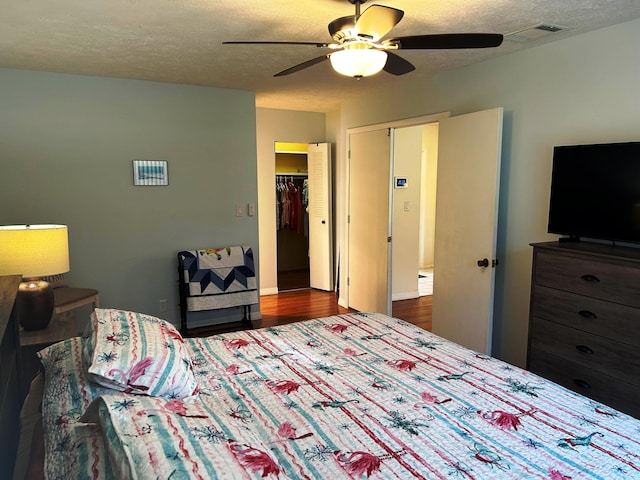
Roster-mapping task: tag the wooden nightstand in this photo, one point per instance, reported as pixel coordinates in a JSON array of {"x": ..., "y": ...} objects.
[{"x": 62, "y": 326}]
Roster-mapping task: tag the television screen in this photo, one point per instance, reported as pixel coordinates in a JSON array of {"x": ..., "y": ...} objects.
[{"x": 595, "y": 191}]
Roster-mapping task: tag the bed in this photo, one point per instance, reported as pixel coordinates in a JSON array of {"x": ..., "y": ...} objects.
[{"x": 350, "y": 396}]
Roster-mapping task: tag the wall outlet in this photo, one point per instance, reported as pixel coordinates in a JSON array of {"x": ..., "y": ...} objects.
[
  {"x": 252, "y": 209},
  {"x": 163, "y": 305}
]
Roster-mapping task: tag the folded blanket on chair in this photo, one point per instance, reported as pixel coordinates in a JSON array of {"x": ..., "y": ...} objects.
[{"x": 219, "y": 277}]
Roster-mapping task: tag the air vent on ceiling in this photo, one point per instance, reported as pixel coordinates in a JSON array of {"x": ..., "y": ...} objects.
[{"x": 535, "y": 32}]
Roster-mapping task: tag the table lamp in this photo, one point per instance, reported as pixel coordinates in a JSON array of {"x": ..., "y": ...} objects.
[{"x": 34, "y": 251}]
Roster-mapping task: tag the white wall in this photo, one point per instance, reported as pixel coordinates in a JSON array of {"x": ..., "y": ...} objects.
[
  {"x": 277, "y": 126},
  {"x": 429, "y": 172},
  {"x": 407, "y": 155},
  {"x": 66, "y": 147},
  {"x": 580, "y": 90}
]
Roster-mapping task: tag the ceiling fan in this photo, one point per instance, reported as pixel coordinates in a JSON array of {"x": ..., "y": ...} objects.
[{"x": 360, "y": 49}]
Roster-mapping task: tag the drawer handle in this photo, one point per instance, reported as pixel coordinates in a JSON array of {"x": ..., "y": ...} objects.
[
  {"x": 581, "y": 383},
  {"x": 590, "y": 278},
  {"x": 587, "y": 314},
  {"x": 584, "y": 349}
]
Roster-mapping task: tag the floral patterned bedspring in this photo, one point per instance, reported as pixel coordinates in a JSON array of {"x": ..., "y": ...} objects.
[{"x": 350, "y": 396}]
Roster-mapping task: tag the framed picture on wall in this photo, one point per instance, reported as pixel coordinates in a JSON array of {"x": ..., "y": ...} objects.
[{"x": 150, "y": 172}]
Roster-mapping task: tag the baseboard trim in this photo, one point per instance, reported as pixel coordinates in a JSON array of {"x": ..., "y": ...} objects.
[
  {"x": 405, "y": 295},
  {"x": 269, "y": 291}
]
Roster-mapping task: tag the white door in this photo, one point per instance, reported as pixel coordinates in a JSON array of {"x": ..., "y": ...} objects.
[
  {"x": 469, "y": 148},
  {"x": 369, "y": 248},
  {"x": 320, "y": 217}
]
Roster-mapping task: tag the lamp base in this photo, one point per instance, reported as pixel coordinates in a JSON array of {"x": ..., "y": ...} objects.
[{"x": 34, "y": 303}]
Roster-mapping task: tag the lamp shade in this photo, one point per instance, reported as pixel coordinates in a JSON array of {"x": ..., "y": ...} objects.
[
  {"x": 34, "y": 250},
  {"x": 358, "y": 61}
]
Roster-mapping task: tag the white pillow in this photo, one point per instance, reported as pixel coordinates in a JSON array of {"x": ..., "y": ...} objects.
[{"x": 137, "y": 353}]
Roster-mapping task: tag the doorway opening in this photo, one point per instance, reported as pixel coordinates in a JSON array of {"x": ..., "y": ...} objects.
[
  {"x": 292, "y": 218},
  {"x": 366, "y": 223},
  {"x": 469, "y": 153},
  {"x": 415, "y": 154}
]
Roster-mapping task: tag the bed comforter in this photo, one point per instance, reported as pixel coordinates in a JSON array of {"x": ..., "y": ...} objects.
[{"x": 350, "y": 396}]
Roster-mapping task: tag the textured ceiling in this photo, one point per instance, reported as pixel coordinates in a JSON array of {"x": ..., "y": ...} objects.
[{"x": 180, "y": 41}]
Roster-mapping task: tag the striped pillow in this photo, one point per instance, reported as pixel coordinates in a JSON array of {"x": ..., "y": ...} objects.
[{"x": 137, "y": 353}]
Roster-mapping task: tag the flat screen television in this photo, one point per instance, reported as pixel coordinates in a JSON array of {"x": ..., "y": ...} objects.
[{"x": 595, "y": 191}]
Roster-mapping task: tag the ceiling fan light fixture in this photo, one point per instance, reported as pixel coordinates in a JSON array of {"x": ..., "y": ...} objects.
[
  {"x": 361, "y": 50},
  {"x": 358, "y": 62}
]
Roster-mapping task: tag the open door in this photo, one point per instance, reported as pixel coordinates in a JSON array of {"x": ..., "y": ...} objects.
[
  {"x": 320, "y": 217},
  {"x": 469, "y": 149},
  {"x": 369, "y": 221}
]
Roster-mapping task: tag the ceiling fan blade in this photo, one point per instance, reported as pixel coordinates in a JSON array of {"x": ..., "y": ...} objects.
[
  {"x": 341, "y": 24},
  {"x": 317, "y": 44},
  {"x": 396, "y": 65},
  {"x": 447, "y": 40},
  {"x": 302, "y": 66},
  {"x": 378, "y": 20}
]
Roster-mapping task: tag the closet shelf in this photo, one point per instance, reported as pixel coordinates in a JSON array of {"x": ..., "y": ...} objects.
[{"x": 294, "y": 174}]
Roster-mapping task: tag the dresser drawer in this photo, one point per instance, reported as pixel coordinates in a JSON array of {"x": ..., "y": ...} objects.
[
  {"x": 611, "y": 320},
  {"x": 591, "y": 351},
  {"x": 602, "y": 388},
  {"x": 615, "y": 283}
]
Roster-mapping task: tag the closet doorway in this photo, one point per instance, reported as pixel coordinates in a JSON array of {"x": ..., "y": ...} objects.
[
  {"x": 303, "y": 216},
  {"x": 292, "y": 220}
]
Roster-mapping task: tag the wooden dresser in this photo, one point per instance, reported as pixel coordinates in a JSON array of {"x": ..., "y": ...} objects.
[
  {"x": 10, "y": 364},
  {"x": 584, "y": 320}
]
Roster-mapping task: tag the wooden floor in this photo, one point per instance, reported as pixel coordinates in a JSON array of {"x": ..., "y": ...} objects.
[
  {"x": 416, "y": 311},
  {"x": 296, "y": 305},
  {"x": 293, "y": 280}
]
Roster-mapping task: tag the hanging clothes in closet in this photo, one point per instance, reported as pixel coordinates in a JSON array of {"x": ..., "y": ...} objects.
[
  {"x": 305, "y": 203},
  {"x": 292, "y": 200}
]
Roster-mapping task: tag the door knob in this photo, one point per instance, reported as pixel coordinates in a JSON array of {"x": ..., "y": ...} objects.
[{"x": 485, "y": 263}]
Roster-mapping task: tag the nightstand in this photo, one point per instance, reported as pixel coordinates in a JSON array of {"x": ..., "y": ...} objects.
[{"x": 62, "y": 326}]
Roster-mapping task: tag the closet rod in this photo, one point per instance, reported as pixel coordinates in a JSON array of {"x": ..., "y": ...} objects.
[{"x": 292, "y": 174}]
